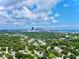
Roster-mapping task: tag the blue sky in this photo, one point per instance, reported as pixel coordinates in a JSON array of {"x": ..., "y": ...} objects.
[{"x": 55, "y": 14}]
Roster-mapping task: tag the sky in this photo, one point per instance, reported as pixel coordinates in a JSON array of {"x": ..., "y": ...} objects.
[{"x": 53, "y": 14}]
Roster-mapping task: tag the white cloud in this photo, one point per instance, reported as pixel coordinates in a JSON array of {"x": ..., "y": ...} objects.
[
  {"x": 1, "y": 8},
  {"x": 21, "y": 11},
  {"x": 3, "y": 22},
  {"x": 66, "y": 5},
  {"x": 28, "y": 14},
  {"x": 46, "y": 18},
  {"x": 55, "y": 21},
  {"x": 52, "y": 18},
  {"x": 57, "y": 15},
  {"x": 43, "y": 4},
  {"x": 18, "y": 23}
]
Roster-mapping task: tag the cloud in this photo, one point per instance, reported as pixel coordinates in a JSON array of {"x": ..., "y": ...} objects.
[
  {"x": 1, "y": 8},
  {"x": 7, "y": 3},
  {"x": 57, "y": 15},
  {"x": 43, "y": 4},
  {"x": 21, "y": 10},
  {"x": 66, "y": 5}
]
